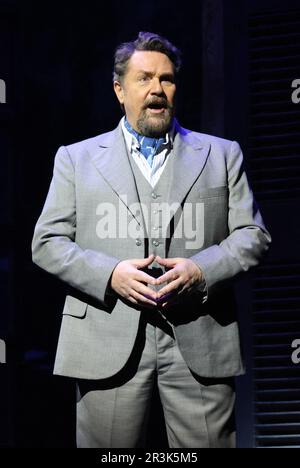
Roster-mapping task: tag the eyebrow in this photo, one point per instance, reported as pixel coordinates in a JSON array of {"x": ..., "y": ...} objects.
[{"x": 150, "y": 74}]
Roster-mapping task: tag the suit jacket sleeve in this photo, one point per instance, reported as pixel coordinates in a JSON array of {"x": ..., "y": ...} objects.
[
  {"x": 248, "y": 238},
  {"x": 54, "y": 247}
]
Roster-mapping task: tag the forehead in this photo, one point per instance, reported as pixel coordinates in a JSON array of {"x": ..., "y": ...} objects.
[{"x": 150, "y": 61}]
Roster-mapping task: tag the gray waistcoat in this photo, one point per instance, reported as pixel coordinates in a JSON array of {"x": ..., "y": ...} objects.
[{"x": 155, "y": 210}]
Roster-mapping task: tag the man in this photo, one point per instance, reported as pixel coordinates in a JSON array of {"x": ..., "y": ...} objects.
[{"x": 149, "y": 225}]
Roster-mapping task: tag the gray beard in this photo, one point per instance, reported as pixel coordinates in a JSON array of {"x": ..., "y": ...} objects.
[{"x": 154, "y": 127}]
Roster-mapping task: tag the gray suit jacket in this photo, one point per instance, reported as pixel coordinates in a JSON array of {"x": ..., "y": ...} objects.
[{"x": 99, "y": 330}]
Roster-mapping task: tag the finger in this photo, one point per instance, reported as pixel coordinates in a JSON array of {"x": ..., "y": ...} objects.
[
  {"x": 144, "y": 290},
  {"x": 169, "y": 301},
  {"x": 144, "y": 277},
  {"x": 134, "y": 301},
  {"x": 174, "y": 297},
  {"x": 168, "y": 304},
  {"x": 168, "y": 276},
  {"x": 167, "y": 298},
  {"x": 168, "y": 262},
  {"x": 142, "y": 299},
  {"x": 131, "y": 299},
  {"x": 169, "y": 288},
  {"x": 143, "y": 262}
]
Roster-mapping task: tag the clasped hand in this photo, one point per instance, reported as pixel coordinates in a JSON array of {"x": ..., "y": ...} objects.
[{"x": 129, "y": 281}]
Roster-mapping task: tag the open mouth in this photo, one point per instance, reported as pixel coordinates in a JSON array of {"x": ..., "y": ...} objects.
[{"x": 156, "y": 108}]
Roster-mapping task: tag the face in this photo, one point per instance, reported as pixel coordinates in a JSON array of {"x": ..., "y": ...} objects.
[{"x": 147, "y": 93}]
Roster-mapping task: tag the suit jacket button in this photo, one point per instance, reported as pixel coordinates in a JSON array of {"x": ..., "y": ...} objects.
[
  {"x": 138, "y": 242},
  {"x": 154, "y": 195},
  {"x": 155, "y": 243}
]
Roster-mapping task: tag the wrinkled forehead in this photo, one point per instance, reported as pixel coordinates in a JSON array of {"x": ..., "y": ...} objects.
[{"x": 150, "y": 62}]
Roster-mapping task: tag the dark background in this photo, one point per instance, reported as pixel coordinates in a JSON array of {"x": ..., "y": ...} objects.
[{"x": 240, "y": 58}]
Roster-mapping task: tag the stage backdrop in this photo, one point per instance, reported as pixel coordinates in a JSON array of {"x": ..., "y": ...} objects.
[{"x": 240, "y": 60}]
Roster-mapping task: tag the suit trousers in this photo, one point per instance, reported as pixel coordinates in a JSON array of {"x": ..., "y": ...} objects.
[{"x": 113, "y": 412}]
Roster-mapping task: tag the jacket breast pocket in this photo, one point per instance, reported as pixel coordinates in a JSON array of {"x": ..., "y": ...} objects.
[
  {"x": 213, "y": 192},
  {"x": 74, "y": 307},
  {"x": 204, "y": 219}
]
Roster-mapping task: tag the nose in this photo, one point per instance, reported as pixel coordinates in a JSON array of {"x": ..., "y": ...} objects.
[{"x": 156, "y": 87}]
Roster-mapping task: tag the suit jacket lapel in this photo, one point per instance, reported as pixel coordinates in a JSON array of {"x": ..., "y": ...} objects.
[
  {"x": 190, "y": 155},
  {"x": 112, "y": 162}
]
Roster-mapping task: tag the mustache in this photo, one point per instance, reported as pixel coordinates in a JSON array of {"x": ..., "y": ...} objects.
[{"x": 159, "y": 102}]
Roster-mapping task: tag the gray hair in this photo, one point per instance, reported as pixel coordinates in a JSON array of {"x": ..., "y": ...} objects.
[{"x": 145, "y": 41}]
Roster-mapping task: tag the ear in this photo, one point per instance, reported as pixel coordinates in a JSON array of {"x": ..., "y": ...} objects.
[{"x": 118, "y": 88}]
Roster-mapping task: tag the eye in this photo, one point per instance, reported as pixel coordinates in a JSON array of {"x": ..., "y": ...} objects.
[
  {"x": 144, "y": 78},
  {"x": 168, "y": 80}
]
